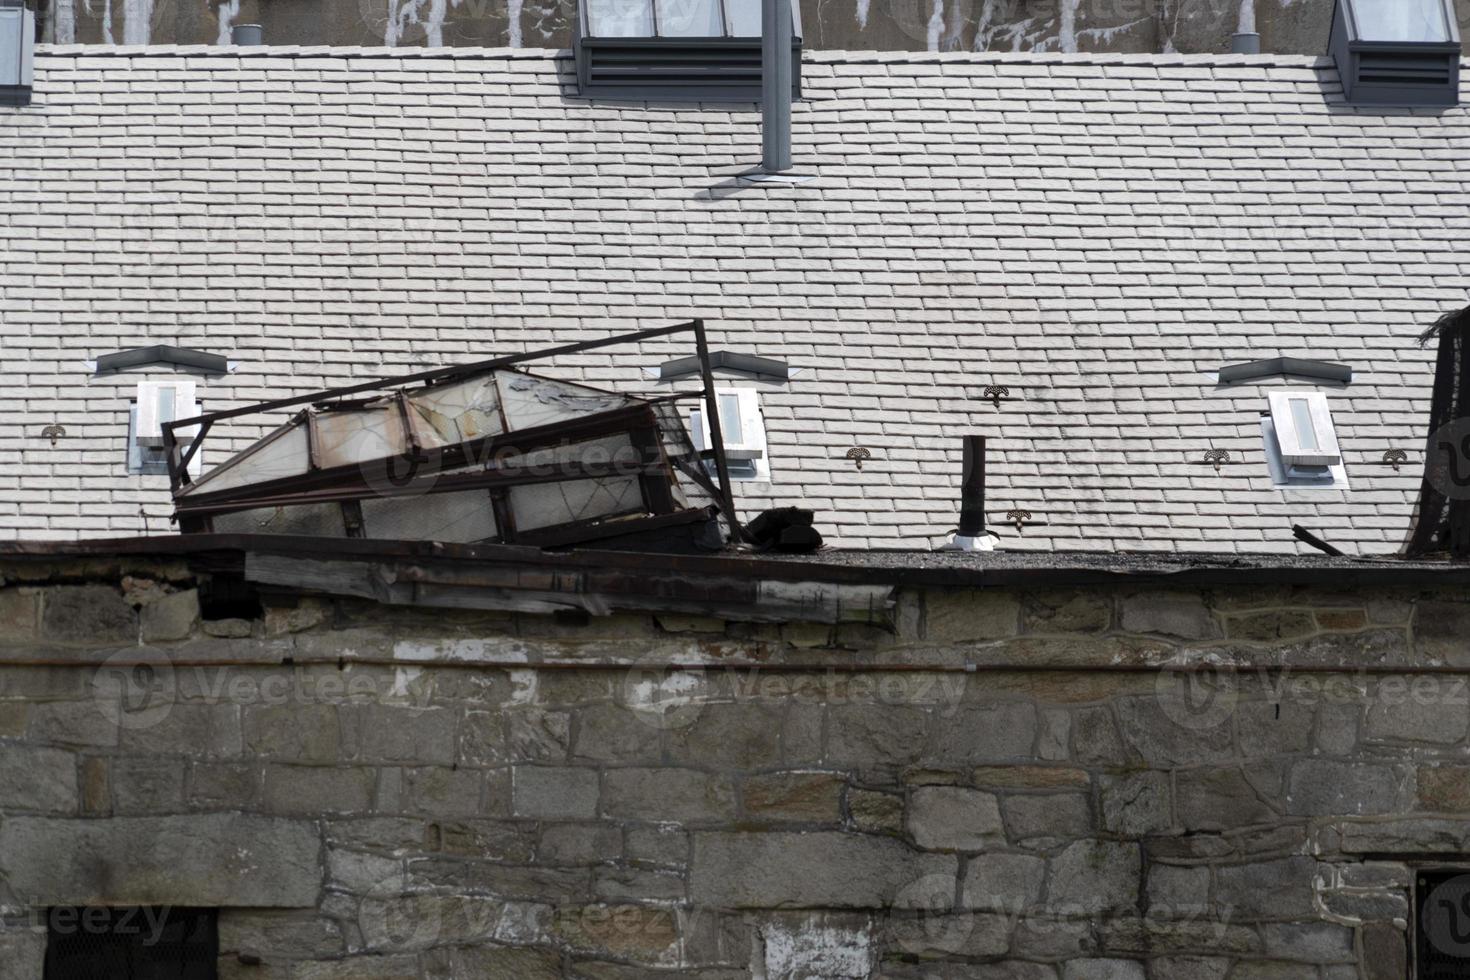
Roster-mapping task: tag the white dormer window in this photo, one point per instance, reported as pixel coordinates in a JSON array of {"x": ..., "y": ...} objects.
[
  {"x": 1301, "y": 444},
  {"x": 743, "y": 429},
  {"x": 158, "y": 402}
]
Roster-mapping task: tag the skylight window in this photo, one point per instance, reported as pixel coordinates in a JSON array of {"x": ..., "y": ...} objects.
[
  {"x": 743, "y": 429},
  {"x": 1301, "y": 444},
  {"x": 1401, "y": 20},
  {"x": 158, "y": 402}
]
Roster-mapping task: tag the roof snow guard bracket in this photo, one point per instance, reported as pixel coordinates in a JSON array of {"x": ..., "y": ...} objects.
[
  {"x": 1397, "y": 52},
  {"x": 482, "y": 452},
  {"x": 696, "y": 51},
  {"x": 17, "y": 44}
]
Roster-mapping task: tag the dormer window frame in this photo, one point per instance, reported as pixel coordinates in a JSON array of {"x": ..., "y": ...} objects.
[
  {"x": 1302, "y": 451},
  {"x": 1395, "y": 71},
  {"x": 667, "y": 67}
]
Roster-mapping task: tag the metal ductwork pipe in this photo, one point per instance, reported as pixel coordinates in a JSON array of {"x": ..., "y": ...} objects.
[
  {"x": 972, "y": 535},
  {"x": 247, "y": 35},
  {"x": 775, "y": 86}
]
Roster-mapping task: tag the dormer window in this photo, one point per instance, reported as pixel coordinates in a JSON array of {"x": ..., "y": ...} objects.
[
  {"x": 158, "y": 402},
  {"x": 743, "y": 430},
  {"x": 674, "y": 50},
  {"x": 1301, "y": 443},
  {"x": 1397, "y": 52}
]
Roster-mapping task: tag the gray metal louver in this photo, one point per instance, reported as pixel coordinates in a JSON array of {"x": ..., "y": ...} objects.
[
  {"x": 675, "y": 69},
  {"x": 17, "y": 45}
]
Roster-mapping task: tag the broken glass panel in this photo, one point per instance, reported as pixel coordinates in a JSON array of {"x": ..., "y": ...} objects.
[
  {"x": 531, "y": 401},
  {"x": 281, "y": 454},
  {"x": 460, "y": 517},
  {"x": 452, "y": 414},
  {"x": 550, "y": 504},
  {"x": 321, "y": 520},
  {"x": 352, "y": 436},
  {"x": 615, "y": 451}
]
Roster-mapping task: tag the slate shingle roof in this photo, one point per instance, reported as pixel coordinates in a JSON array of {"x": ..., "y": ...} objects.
[{"x": 1098, "y": 233}]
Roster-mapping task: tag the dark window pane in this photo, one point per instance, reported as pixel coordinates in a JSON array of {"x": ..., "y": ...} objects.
[{"x": 156, "y": 943}]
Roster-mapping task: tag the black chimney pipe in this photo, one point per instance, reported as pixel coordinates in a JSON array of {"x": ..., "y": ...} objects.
[{"x": 972, "y": 489}]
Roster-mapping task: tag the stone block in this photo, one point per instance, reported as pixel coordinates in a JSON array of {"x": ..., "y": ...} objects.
[
  {"x": 1091, "y": 876},
  {"x": 1136, "y": 805},
  {"x": 682, "y": 795},
  {"x": 293, "y": 732},
  {"x": 379, "y": 733},
  {"x": 968, "y": 616},
  {"x": 1309, "y": 942},
  {"x": 1269, "y": 728},
  {"x": 19, "y": 615},
  {"x": 875, "y": 812},
  {"x": 954, "y": 818},
  {"x": 1337, "y": 728},
  {"x": 310, "y": 790},
  {"x": 147, "y": 785},
  {"x": 1219, "y": 799},
  {"x": 1047, "y": 815},
  {"x": 482, "y": 739},
  {"x": 1270, "y": 626},
  {"x": 1177, "y": 892},
  {"x": 216, "y": 859},
  {"x": 801, "y": 797},
  {"x": 743, "y": 735},
  {"x": 577, "y": 844},
  {"x": 1103, "y": 969},
  {"x": 1385, "y": 952},
  {"x": 1166, "y": 731},
  {"x": 618, "y": 884},
  {"x": 1421, "y": 835},
  {"x": 92, "y": 723},
  {"x": 1440, "y": 631},
  {"x": 1066, "y": 612},
  {"x": 1095, "y": 738},
  {"x": 1417, "y": 709},
  {"x": 503, "y": 963},
  {"x": 1444, "y": 788},
  {"x": 1168, "y": 613},
  {"x": 96, "y": 787},
  {"x": 617, "y": 733},
  {"x": 640, "y": 933},
  {"x": 537, "y": 735},
  {"x": 940, "y": 935},
  {"x": 1276, "y": 889},
  {"x": 1001, "y": 882},
  {"x": 554, "y": 793},
  {"x": 443, "y": 791},
  {"x": 172, "y": 617},
  {"x": 1266, "y": 970},
  {"x": 291, "y": 933},
  {"x": 1188, "y": 968},
  {"x": 22, "y": 954},
  {"x": 38, "y": 780},
  {"x": 666, "y": 846},
  {"x": 93, "y": 615},
  {"x": 1324, "y": 787},
  {"x": 812, "y": 870},
  {"x": 200, "y": 730},
  {"x": 871, "y": 735},
  {"x": 491, "y": 840},
  {"x": 1030, "y": 777},
  {"x": 978, "y": 734}
]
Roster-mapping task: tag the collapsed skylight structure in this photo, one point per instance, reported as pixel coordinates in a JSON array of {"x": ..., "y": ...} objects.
[{"x": 486, "y": 452}]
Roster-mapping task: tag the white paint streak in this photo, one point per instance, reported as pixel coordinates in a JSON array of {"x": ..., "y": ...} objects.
[
  {"x": 64, "y": 30},
  {"x": 513, "y": 27},
  {"x": 107, "y": 23},
  {"x": 525, "y": 684},
  {"x": 462, "y": 651},
  {"x": 431, "y": 14},
  {"x": 813, "y": 948},
  {"x": 1067, "y": 26},
  {"x": 137, "y": 21},
  {"x": 862, "y": 13},
  {"x": 228, "y": 11},
  {"x": 1247, "y": 17},
  {"x": 403, "y": 678},
  {"x": 936, "y": 24}
]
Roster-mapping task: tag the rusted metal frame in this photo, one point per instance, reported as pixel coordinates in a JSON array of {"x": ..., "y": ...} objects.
[
  {"x": 439, "y": 374},
  {"x": 449, "y": 483},
  {"x": 524, "y": 441},
  {"x": 313, "y": 443},
  {"x": 352, "y": 518},
  {"x": 716, "y": 433},
  {"x": 178, "y": 465},
  {"x": 505, "y": 520},
  {"x": 278, "y": 432},
  {"x": 657, "y": 479},
  {"x": 410, "y": 434},
  {"x": 603, "y": 528},
  {"x": 535, "y": 536}
]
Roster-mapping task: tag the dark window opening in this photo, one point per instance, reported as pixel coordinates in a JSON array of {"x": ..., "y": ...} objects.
[
  {"x": 133, "y": 943},
  {"x": 226, "y": 596},
  {"x": 1442, "y": 924}
]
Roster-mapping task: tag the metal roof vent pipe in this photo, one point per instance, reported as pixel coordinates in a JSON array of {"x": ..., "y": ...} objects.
[
  {"x": 972, "y": 535},
  {"x": 17, "y": 48},
  {"x": 1245, "y": 39},
  {"x": 776, "y": 89},
  {"x": 247, "y": 35}
]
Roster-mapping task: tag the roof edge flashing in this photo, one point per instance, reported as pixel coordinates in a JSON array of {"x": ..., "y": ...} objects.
[
  {"x": 197, "y": 361},
  {"x": 1270, "y": 369}
]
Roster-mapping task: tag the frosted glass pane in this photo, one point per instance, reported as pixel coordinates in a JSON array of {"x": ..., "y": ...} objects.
[
  {"x": 454, "y": 414},
  {"x": 689, "y": 18},
  {"x": 284, "y": 455},
  {"x": 359, "y": 435},
  {"x": 743, "y": 17},
  {"x": 459, "y": 518},
  {"x": 548, "y": 504},
  {"x": 1400, "y": 20},
  {"x": 530, "y": 401},
  {"x": 620, "y": 18}
]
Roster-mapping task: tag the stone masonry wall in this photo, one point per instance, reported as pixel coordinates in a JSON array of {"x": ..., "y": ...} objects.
[{"x": 370, "y": 792}]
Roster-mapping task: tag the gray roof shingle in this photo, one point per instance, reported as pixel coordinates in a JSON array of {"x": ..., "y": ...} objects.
[{"x": 1099, "y": 233}]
